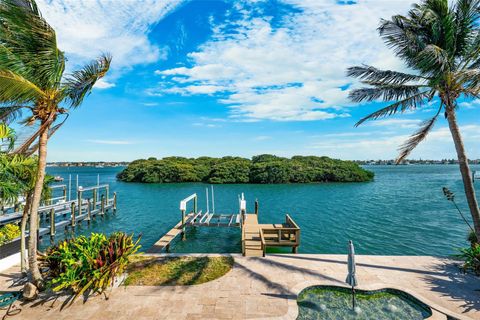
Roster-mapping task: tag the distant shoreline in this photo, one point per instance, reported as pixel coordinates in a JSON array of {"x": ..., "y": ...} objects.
[{"x": 359, "y": 162}]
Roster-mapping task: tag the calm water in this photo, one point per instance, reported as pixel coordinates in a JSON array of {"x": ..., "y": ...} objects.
[
  {"x": 332, "y": 303},
  {"x": 402, "y": 212}
]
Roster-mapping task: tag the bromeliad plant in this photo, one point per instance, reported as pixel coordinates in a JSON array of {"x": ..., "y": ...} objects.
[{"x": 89, "y": 264}]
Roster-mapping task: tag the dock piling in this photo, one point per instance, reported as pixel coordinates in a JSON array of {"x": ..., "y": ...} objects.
[
  {"x": 114, "y": 202},
  {"x": 184, "y": 236},
  {"x": 102, "y": 205},
  {"x": 79, "y": 199},
  {"x": 89, "y": 211},
  {"x": 52, "y": 222},
  {"x": 94, "y": 199},
  {"x": 72, "y": 208}
]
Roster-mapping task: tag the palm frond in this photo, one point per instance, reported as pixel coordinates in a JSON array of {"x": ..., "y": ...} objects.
[
  {"x": 466, "y": 14},
  {"x": 16, "y": 89},
  {"x": 409, "y": 103},
  {"x": 469, "y": 81},
  {"x": 9, "y": 114},
  {"x": 399, "y": 33},
  {"x": 417, "y": 137},
  {"x": 28, "y": 142},
  {"x": 31, "y": 43},
  {"x": 80, "y": 83},
  {"x": 32, "y": 148},
  {"x": 384, "y": 92},
  {"x": 383, "y": 77},
  {"x": 433, "y": 59}
]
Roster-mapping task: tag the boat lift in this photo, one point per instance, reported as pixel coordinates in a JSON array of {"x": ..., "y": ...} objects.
[{"x": 255, "y": 237}]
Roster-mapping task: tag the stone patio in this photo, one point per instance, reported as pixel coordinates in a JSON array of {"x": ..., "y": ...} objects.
[{"x": 267, "y": 288}]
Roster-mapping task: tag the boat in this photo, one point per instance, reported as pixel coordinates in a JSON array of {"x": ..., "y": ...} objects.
[{"x": 58, "y": 179}]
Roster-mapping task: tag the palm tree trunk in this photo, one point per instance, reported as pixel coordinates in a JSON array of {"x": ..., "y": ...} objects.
[
  {"x": 37, "y": 195},
  {"x": 464, "y": 169},
  {"x": 23, "y": 226}
]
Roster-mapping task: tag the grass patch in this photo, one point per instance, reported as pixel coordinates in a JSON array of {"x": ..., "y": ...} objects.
[{"x": 176, "y": 271}]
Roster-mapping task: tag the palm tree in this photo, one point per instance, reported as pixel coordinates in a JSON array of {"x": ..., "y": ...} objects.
[
  {"x": 441, "y": 44},
  {"x": 17, "y": 177},
  {"x": 32, "y": 81}
]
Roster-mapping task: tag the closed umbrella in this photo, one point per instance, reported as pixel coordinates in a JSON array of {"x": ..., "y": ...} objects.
[{"x": 351, "y": 277}]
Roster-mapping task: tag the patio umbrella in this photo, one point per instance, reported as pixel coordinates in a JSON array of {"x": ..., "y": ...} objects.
[{"x": 351, "y": 277}]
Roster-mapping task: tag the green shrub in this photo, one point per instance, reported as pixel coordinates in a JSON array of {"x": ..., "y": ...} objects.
[
  {"x": 471, "y": 258},
  {"x": 9, "y": 232},
  {"x": 88, "y": 264},
  {"x": 472, "y": 238}
]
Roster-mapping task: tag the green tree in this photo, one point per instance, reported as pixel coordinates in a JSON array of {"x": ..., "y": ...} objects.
[
  {"x": 17, "y": 178},
  {"x": 32, "y": 81},
  {"x": 441, "y": 44}
]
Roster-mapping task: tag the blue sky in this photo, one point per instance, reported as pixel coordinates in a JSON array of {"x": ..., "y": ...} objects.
[{"x": 193, "y": 78}]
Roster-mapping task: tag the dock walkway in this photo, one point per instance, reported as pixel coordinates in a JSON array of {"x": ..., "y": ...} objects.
[
  {"x": 164, "y": 242},
  {"x": 255, "y": 237},
  {"x": 251, "y": 237}
]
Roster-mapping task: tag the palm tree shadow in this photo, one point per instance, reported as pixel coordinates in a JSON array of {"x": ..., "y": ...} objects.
[{"x": 457, "y": 285}]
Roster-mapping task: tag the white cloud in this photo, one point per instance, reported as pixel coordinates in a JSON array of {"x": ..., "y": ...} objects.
[
  {"x": 377, "y": 145},
  {"x": 205, "y": 125},
  {"x": 104, "y": 84},
  {"x": 110, "y": 142},
  {"x": 396, "y": 123},
  {"x": 294, "y": 71},
  {"x": 470, "y": 104},
  {"x": 261, "y": 138},
  {"x": 86, "y": 28}
]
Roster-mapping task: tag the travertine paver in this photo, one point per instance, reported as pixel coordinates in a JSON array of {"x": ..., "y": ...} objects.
[{"x": 267, "y": 288}]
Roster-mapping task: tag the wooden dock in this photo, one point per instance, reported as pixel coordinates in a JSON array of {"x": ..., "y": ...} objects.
[
  {"x": 251, "y": 237},
  {"x": 255, "y": 237},
  {"x": 65, "y": 214},
  {"x": 164, "y": 242}
]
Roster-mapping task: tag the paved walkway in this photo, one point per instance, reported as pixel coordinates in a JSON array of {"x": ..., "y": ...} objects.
[{"x": 267, "y": 288}]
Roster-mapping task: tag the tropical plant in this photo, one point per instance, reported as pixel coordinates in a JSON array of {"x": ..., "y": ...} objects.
[
  {"x": 7, "y": 138},
  {"x": 441, "y": 44},
  {"x": 471, "y": 258},
  {"x": 32, "y": 80},
  {"x": 450, "y": 196},
  {"x": 89, "y": 264},
  {"x": 9, "y": 232}
]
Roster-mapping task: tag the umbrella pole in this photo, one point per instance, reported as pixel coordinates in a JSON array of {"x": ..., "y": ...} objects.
[{"x": 353, "y": 297}]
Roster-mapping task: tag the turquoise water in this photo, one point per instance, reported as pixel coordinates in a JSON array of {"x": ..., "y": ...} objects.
[
  {"x": 402, "y": 212},
  {"x": 332, "y": 303}
]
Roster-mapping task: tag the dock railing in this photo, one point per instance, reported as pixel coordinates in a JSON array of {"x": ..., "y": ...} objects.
[{"x": 288, "y": 235}]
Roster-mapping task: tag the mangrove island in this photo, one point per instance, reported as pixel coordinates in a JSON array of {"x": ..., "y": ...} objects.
[{"x": 260, "y": 169}]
